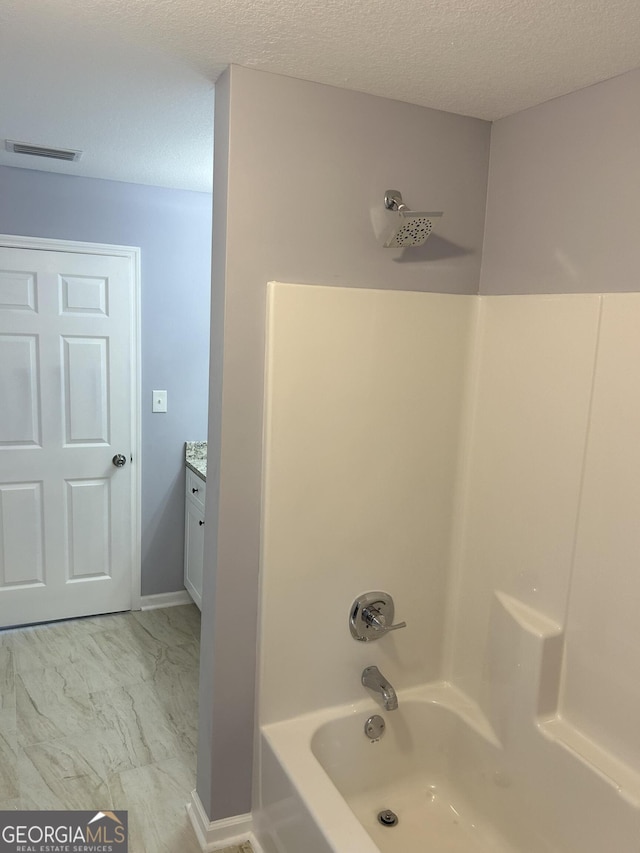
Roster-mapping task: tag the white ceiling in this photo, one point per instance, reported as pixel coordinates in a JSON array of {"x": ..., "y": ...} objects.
[{"x": 131, "y": 81}]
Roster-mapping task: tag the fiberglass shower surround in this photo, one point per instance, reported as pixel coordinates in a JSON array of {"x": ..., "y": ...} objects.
[{"x": 442, "y": 448}]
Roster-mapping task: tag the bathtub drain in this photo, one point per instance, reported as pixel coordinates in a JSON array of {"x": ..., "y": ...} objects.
[{"x": 387, "y": 818}]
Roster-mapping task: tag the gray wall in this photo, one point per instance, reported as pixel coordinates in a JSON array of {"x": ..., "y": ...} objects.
[
  {"x": 300, "y": 172},
  {"x": 563, "y": 210},
  {"x": 173, "y": 230}
]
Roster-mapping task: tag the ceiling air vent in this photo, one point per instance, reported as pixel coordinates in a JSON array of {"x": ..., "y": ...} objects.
[{"x": 42, "y": 151}]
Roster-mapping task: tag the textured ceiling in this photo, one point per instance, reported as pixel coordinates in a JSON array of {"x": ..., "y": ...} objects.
[{"x": 131, "y": 81}]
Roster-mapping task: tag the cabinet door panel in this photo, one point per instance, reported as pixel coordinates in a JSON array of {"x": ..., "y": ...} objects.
[{"x": 194, "y": 551}]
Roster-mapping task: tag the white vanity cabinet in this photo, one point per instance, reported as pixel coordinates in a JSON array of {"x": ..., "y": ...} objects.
[{"x": 194, "y": 536}]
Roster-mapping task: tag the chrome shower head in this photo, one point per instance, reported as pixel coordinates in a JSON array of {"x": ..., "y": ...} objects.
[{"x": 411, "y": 228}]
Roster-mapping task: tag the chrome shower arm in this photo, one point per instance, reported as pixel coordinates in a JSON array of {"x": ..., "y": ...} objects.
[{"x": 393, "y": 200}]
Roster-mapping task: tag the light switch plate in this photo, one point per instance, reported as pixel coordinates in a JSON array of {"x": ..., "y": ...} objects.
[{"x": 159, "y": 401}]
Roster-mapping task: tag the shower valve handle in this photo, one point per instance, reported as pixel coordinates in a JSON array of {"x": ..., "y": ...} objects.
[
  {"x": 375, "y": 619},
  {"x": 371, "y": 616}
]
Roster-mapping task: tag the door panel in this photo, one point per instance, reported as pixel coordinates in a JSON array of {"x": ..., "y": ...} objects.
[
  {"x": 19, "y": 410},
  {"x": 21, "y": 528},
  {"x": 66, "y": 517},
  {"x": 88, "y": 510},
  {"x": 17, "y": 290},
  {"x": 86, "y": 386},
  {"x": 82, "y": 295}
]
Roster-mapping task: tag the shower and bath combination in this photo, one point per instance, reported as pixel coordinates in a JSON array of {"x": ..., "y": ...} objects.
[
  {"x": 476, "y": 756},
  {"x": 411, "y": 228}
]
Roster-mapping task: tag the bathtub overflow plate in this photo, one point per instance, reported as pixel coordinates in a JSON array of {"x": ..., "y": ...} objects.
[{"x": 374, "y": 727}]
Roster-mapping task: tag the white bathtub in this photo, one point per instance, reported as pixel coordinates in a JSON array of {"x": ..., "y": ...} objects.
[
  {"x": 440, "y": 768},
  {"x": 437, "y": 766}
]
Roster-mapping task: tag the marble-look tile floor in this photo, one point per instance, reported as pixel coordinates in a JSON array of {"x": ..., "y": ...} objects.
[{"x": 102, "y": 713}]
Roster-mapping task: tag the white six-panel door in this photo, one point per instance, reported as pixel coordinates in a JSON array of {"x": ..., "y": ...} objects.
[{"x": 65, "y": 411}]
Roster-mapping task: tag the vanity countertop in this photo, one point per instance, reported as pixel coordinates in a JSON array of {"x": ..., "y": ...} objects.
[{"x": 195, "y": 454}]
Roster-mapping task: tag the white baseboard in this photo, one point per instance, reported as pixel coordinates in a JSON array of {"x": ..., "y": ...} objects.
[
  {"x": 218, "y": 834},
  {"x": 165, "y": 599}
]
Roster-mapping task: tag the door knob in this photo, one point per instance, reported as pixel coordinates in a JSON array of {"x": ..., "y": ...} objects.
[{"x": 119, "y": 460}]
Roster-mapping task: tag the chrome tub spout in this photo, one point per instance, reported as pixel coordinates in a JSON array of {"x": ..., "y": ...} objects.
[{"x": 375, "y": 680}]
